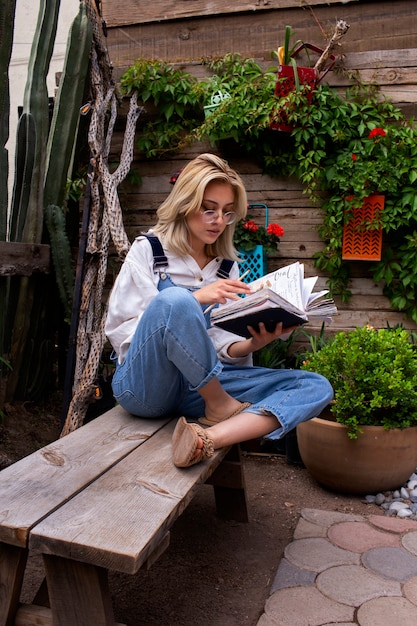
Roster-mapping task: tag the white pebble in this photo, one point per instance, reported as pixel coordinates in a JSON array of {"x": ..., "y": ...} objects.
[
  {"x": 398, "y": 506},
  {"x": 404, "y": 513},
  {"x": 379, "y": 498}
]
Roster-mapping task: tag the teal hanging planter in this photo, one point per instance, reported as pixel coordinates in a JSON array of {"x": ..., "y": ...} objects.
[{"x": 255, "y": 261}]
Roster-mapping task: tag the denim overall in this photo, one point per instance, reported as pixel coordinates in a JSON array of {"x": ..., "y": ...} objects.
[{"x": 172, "y": 356}]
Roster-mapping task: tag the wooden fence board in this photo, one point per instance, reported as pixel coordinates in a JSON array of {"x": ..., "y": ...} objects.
[
  {"x": 23, "y": 259},
  {"x": 257, "y": 33},
  {"x": 137, "y": 12}
]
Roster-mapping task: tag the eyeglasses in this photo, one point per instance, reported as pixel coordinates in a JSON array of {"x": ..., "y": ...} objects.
[{"x": 209, "y": 216}]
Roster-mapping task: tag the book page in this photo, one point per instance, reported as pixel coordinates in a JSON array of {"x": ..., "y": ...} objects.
[
  {"x": 259, "y": 300},
  {"x": 287, "y": 282}
]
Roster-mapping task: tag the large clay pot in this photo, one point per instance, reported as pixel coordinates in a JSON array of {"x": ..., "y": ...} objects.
[{"x": 379, "y": 460}]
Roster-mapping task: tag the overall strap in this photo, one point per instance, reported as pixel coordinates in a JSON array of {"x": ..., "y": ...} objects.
[
  {"x": 224, "y": 269},
  {"x": 159, "y": 258}
]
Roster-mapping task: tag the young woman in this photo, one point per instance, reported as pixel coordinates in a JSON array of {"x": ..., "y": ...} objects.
[{"x": 169, "y": 360}]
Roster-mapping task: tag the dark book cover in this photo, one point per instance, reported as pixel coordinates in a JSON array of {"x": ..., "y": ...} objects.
[{"x": 270, "y": 317}]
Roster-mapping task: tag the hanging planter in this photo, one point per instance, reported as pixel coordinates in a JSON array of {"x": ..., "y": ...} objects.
[
  {"x": 358, "y": 242},
  {"x": 217, "y": 98},
  {"x": 255, "y": 261},
  {"x": 254, "y": 243},
  {"x": 291, "y": 77}
]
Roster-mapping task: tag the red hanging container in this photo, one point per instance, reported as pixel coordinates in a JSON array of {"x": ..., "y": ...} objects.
[{"x": 307, "y": 76}]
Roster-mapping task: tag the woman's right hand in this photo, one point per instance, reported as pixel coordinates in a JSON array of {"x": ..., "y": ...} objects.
[{"x": 221, "y": 290}]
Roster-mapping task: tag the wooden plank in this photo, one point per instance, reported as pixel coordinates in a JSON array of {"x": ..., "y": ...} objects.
[
  {"x": 30, "y": 614},
  {"x": 257, "y": 33},
  {"x": 23, "y": 259},
  {"x": 12, "y": 567},
  {"x": 229, "y": 487},
  {"x": 136, "y": 12},
  {"x": 33, "y": 615},
  {"x": 78, "y": 592},
  {"x": 41, "y": 482},
  {"x": 134, "y": 503},
  {"x": 381, "y": 58}
]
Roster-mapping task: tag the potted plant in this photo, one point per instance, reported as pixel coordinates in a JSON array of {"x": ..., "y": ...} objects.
[
  {"x": 255, "y": 242},
  {"x": 291, "y": 76},
  {"x": 366, "y": 441}
]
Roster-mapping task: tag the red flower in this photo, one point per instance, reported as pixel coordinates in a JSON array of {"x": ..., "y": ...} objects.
[
  {"x": 375, "y": 132},
  {"x": 275, "y": 229},
  {"x": 250, "y": 225},
  {"x": 354, "y": 157},
  {"x": 174, "y": 177}
]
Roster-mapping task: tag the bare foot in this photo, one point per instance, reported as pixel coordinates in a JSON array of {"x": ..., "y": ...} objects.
[{"x": 225, "y": 410}]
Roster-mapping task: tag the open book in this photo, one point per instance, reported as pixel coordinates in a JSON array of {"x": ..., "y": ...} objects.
[{"x": 281, "y": 296}]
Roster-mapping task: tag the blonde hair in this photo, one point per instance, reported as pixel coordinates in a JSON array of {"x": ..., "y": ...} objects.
[{"x": 186, "y": 198}]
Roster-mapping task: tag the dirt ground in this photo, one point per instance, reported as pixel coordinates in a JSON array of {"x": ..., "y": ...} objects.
[{"x": 214, "y": 573}]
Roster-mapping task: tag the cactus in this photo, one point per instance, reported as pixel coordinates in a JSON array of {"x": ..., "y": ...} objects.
[
  {"x": 35, "y": 102},
  {"x": 66, "y": 111},
  {"x": 7, "y": 12},
  {"x": 61, "y": 255},
  {"x": 60, "y": 146},
  {"x": 25, "y": 159},
  {"x": 43, "y": 160}
]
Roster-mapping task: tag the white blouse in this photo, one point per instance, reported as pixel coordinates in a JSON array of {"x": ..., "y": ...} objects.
[{"x": 137, "y": 284}]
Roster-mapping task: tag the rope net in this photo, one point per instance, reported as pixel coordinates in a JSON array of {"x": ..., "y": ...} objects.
[{"x": 105, "y": 222}]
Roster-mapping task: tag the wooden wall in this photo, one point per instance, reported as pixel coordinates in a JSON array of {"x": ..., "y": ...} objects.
[{"x": 381, "y": 44}]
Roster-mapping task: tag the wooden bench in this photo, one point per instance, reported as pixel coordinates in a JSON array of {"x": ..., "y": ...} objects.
[{"x": 102, "y": 498}]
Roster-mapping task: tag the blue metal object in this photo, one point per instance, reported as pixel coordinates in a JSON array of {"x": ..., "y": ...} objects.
[{"x": 256, "y": 260}]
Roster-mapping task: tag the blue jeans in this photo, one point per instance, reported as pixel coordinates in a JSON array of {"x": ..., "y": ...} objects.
[{"x": 171, "y": 357}]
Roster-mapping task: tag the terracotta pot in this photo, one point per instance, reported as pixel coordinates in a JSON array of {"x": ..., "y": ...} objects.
[{"x": 379, "y": 460}]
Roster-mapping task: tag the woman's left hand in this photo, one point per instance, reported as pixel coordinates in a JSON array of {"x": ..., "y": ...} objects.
[
  {"x": 259, "y": 339},
  {"x": 262, "y": 337}
]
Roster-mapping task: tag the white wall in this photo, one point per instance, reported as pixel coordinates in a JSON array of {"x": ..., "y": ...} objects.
[{"x": 25, "y": 24}]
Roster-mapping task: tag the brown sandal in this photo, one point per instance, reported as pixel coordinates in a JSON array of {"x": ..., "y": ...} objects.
[
  {"x": 207, "y": 422},
  {"x": 185, "y": 444}
]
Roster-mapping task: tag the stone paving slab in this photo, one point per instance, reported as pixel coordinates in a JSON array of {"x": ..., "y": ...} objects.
[{"x": 346, "y": 570}]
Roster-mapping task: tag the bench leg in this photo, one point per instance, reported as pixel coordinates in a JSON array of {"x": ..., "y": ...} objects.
[
  {"x": 78, "y": 593},
  {"x": 229, "y": 487},
  {"x": 12, "y": 568}
]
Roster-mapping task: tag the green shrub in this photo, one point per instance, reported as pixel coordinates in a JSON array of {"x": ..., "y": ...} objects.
[{"x": 374, "y": 377}]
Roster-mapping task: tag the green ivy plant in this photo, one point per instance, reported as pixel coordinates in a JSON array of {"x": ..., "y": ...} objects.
[
  {"x": 172, "y": 94},
  {"x": 343, "y": 147},
  {"x": 374, "y": 377}
]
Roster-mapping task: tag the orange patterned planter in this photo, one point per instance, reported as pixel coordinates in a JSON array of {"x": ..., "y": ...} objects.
[{"x": 359, "y": 243}]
